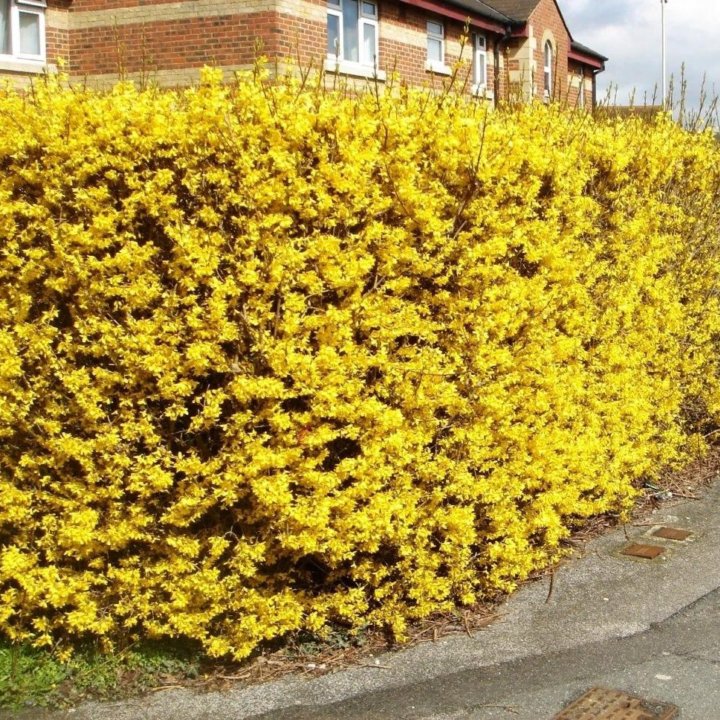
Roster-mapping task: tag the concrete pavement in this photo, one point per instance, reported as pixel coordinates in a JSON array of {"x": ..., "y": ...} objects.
[
  {"x": 675, "y": 661},
  {"x": 649, "y": 627}
]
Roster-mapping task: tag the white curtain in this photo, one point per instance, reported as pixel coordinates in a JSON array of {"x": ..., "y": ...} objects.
[
  {"x": 351, "y": 41},
  {"x": 29, "y": 33}
]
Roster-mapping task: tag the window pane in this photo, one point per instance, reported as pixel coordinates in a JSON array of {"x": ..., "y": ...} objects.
[
  {"x": 4, "y": 26},
  {"x": 480, "y": 75},
  {"x": 335, "y": 3},
  {"x": 333, "y": 40},
  {"x": 368, "y": 57},
  {"x": 480, "y": 59},
  {"x": 350, "y": 30},
  {"x": 435, "y": 50},
  {"x": 434, "y": 28},
  {"x": 369, "y": 9},
  {"x": 29, "y": 34},
  {"x": 548, "y": 67}
]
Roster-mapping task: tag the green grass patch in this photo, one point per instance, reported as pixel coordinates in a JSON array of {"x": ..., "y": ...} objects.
[{"x": 30, "y": 677}]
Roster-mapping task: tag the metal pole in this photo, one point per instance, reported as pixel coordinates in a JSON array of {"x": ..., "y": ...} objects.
[{"x": 664, "y": 54}]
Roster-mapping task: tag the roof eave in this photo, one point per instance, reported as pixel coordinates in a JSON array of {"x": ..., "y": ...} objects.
[
  {"x": 586, "y": 56},
  {"x": 444, "y": 9}
]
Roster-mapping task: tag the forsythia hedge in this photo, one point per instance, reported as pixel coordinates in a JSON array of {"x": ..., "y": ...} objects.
[{"x": 273, "y": 357}]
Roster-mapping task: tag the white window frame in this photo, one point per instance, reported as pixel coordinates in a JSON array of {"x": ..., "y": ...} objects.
[
  {"x": 366, "y": 19},
  {"x": 8, "y": 29},
  {"x": 479, "y": 64},
  {"x": 335, "y": 9},
  {"x": 336, "y": 60},
  {"x": 436, "y": 66},
  {"x": 548, "y": 59},
  {"x": 30, "y": 7}
]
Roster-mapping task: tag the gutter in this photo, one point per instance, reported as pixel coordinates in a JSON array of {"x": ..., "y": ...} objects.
[
  {"x": 587, "y": 60},
  {"x": 462, "y": 16}
]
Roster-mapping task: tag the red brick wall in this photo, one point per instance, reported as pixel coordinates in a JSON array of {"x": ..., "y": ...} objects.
[
  {"x": 57, "y": 39},
  {"x": 307, "y": 40},
  {"x": 231, "y": 40},
  {"x": 189, "y": 43},
  {"x": 577, "y": 70},
  {"x": 546, "y": 17},
  {"x": 297, "y": 39},
  {"x": 80, "y": 5},
  {"x": 409, "y": 60},
  {"x": 171, "y": 45}
]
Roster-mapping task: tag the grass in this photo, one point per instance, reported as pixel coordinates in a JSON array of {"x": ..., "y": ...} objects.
[
  {"x": 39, "y": 678},
  {"x": 32, "y": 677}
]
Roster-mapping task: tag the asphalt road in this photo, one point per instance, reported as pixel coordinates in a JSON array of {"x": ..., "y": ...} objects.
[{"x": 676, "y": 661}]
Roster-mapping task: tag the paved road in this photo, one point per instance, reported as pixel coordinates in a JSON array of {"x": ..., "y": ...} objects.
[{"x": 677, "y": 661}]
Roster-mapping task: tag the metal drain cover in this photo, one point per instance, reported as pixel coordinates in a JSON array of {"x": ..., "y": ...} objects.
[
  {"x": 670, "y": 533},
  {"x": 603, "y": 704},
  {"x": 649, "y": 552}
]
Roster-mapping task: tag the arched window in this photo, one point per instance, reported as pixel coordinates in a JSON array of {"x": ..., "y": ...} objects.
[{"x": 548, "y": 69}]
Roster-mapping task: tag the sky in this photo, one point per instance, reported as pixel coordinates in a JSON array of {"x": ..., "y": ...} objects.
[{"x": 629, "y": 33}]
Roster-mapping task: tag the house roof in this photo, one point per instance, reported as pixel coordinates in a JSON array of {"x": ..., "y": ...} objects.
[
  {"x": 585, "y": 50},
  {"x": 483, "y": 9},
  {"x": 479, "y": 14},
  {"x": 502, "y": 15},
  {"x": 519, "y": 10}
]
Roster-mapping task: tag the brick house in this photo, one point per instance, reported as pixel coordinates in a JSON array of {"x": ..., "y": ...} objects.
[{"x": 514, "y": 48}]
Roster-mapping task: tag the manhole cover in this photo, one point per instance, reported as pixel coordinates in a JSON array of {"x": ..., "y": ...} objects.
[
  {"x": 670, "y": 533},
  {"x": 649, "y": 552},
  {"x": 604, "y": 704}
]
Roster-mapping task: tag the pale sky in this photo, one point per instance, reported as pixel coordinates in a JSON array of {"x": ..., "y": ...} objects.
[{"x": 629, "y": 33}]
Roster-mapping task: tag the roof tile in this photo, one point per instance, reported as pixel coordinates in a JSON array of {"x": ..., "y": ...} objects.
[
  {"x": 516, "y": 9},
  {"x": 483, "y": 9}
]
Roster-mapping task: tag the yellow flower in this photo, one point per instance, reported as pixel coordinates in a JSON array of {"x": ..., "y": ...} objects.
[{"x": 274, "y": 358}]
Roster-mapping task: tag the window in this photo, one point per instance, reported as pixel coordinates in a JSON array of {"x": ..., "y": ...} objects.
[
  {"x": 479, "y": 64},
  {"x": 4, "y": 27},
  {"x": 548, "y": 69},
  {"x": 22, "y": 29},
  {"x": 352, "y": 27},
  {"x": 435, "y": 45}
]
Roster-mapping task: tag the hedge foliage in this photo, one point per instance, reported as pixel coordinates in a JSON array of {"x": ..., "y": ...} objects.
[{"x": 274, "y": 357}]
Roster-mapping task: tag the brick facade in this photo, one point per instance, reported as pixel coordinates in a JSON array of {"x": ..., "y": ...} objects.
[
  {"x": 546, "y": 25},
  {"x": 402, "y": 46},
  {"x": 171, "y": 40},
  {"x": 57, "y": 44}
]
